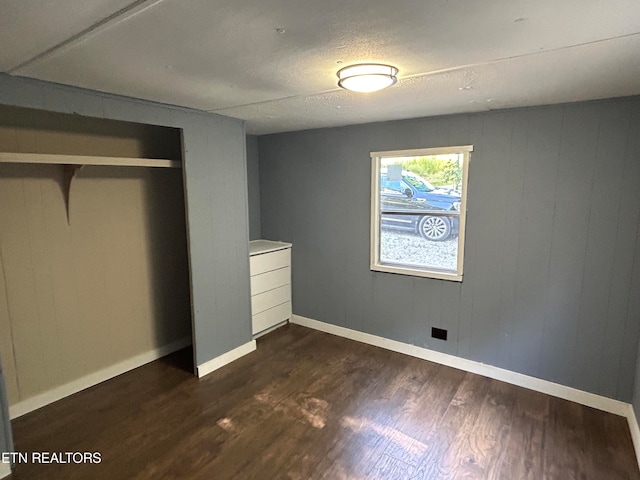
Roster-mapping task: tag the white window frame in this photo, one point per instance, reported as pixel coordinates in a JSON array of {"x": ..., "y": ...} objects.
[{"x": 376, "y": 264}]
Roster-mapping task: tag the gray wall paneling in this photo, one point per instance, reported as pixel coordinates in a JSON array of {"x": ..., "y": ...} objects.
[
  {"x": 575, "y": 176},
  {"x": 632, "y": 330},
  {"x": 215, "y": 197},
  {"x": 253, "y": 186},
  {"x": 604, "y": 276},
  {"x": 551, "y": 261},
  {"x": 540, "y": 155}
]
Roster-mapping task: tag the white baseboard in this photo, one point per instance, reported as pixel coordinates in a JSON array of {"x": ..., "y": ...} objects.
[
  {"x": 5, "y": 470},
  {"x": 57, "y": 393},
  {"x": 226, "y": 358},
  {"x": 568, "y": 393}
]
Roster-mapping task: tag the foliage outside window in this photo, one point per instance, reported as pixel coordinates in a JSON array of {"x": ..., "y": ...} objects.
[{"x": 418, "y": 211}]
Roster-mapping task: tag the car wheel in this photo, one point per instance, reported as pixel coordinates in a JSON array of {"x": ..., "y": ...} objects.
[{"x": 434, "y": 228}]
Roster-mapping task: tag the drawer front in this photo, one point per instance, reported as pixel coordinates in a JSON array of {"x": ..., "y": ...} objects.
[
  {"x": 270, "y": 298},
  {"x": 271, "y": 317},
  {"x": 270, "y": 280},
  {"x": 269, "y": 261}
]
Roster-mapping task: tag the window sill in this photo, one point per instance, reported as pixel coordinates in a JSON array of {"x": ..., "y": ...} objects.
[{"x": 398, "y": 269}]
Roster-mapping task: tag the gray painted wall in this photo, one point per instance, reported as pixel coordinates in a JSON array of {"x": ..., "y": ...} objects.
[
  {"x": 253, "y": 185},
  {"x": 552, "y": 261},
  {"x": 215, "y": 196},
  {"x": 636, "y": 391}
]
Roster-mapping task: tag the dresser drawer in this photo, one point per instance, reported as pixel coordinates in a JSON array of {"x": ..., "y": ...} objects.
[
  {"x": 271, "y": 317},
  {"x": 269, "y": 261},
  {"x": 270, "y": 298},
  {"x": 270, "y": 280}
]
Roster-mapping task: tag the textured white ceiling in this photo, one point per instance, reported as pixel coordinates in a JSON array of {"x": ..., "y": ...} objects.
[{"x": 273, "y": 63}]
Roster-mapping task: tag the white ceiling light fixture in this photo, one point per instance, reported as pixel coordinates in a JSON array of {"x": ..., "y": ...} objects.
[{"x": 367, "y": 77}]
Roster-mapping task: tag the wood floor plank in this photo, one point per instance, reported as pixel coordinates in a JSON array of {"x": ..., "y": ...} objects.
[
  {"x": 488, "y": 440},
  {"x": 308, "y": 406},
  {"x": 318, "y": 409},
  {"x": 361, "y": 436},
  {"x": 565, "y": 455},
  {"x": 417, "y": 425},
  {"x": 523, "y": 457},
  {"x": 606, "y": 440},
  {"x": 389, "y": 434},
  {"x": 448, "y": 454},
  {"x": 269, "y": 414}
]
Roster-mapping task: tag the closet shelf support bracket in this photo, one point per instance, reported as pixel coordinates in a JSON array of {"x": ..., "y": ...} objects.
[{"x": 69, "y": 172}]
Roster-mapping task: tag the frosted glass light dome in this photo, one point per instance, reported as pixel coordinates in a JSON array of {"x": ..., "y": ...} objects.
[{"x": 367, "y": 77}]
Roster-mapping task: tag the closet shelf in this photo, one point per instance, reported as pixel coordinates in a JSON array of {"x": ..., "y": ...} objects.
[
  {"x": 8, "y": 157},
  {"x": 72, "y": 163}
]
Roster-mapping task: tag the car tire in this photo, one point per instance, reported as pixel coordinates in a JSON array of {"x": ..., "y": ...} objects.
[{"x": 435, "y": 229}]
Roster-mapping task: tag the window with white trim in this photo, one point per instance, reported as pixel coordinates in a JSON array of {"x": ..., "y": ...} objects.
[{"x": 418, "y": 211}]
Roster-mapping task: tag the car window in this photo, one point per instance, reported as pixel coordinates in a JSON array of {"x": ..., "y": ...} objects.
[{"x": 419, "y": 184}]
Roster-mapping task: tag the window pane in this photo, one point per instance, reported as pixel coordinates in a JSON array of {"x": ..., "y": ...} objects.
[
  {"x": 412, "y": 250},
  {"x": 419, "y": 205}
]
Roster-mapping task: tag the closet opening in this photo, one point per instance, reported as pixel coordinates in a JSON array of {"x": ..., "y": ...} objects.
[{"x": 94, "y": 272}]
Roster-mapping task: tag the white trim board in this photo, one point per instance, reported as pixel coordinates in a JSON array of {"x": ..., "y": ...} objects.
[
  {"x": 57, "y": 393},
  {"x": 50, "y": 158},
  {"x": 226, "y": 358},
  {"x": 544, "y": 386}
]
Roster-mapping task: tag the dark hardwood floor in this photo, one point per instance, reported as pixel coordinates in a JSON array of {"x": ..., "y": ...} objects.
[{"x": 308, "y": 405}]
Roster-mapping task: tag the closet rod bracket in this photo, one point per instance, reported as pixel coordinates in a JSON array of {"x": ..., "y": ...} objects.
[{"x": 69, "y": 172}]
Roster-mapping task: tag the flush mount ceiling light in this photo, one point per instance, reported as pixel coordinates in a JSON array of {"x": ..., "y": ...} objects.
[{"x": 367, "y": 77}]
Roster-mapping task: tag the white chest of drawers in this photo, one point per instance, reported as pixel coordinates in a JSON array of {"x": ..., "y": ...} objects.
[{"x": 270, "y": 268}]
